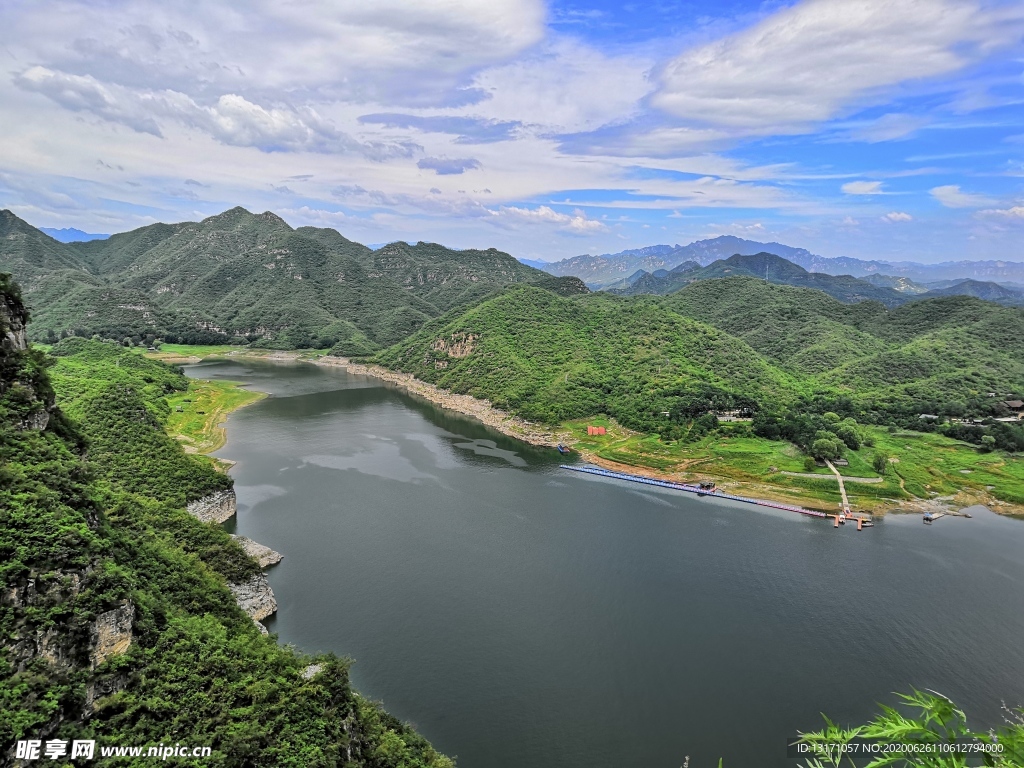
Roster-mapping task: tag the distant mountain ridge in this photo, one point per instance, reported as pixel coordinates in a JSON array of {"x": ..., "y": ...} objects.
[
  {"x": 603, "y": 270},
  {"x": 890, "y": 291},
  {"x": 71, "y": 235},
  {"x": 772, "y": 269}
]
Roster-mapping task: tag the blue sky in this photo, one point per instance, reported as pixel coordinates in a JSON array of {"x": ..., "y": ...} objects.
[{"x": 886, "y": 129}]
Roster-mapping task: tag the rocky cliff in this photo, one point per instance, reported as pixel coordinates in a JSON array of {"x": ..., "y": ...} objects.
[
  {"x": 216, "y": 508},
  {"x": 256, "y": 598},
  {"x": 21, "y": 376},
  {"x": 12, "y": 317},
  {"x": 261, "y": 553}
]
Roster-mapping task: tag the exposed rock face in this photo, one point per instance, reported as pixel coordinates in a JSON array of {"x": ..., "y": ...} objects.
[
  {"x": 312, "y": 671},
  {"x": 215, "y": 508},
  {"x": 261, "y": 553},
  {"x": 460, "y": 345},
  {"x": 112, "y": 633},
  {"x": 38, "y": 420},
  {"x": 12, "y": 324},
  {"x": 30, "y": 640},
  {"x": 255, "y": 597},
  {"x": 13, "y": 343}
]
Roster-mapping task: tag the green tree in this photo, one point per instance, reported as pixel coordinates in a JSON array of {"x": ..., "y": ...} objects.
[
  {"x": 830, "y": 448},
  {"x": 988, "y": 443},
  {"x": 879, "y": 462}
]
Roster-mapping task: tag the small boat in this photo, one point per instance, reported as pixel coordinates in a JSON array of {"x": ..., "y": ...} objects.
[{"x": 562, "y": 449}]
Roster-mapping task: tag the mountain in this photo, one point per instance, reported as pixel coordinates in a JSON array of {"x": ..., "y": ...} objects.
[
  {"x": 551, "y": 358},
  {"x": 901, "y": 284},
  {"x": 251, "y": 278},
  {"x": 729, "y": 341},
  {"x": 535, "y": 263},
  {"x": 995, "y": 271},
  {"x": 628, "y": 282},
  {"x": 987, "y": 290},
  {"x": 774, "y": 269},
  {"x": 924, "y": 354},
  {"x": 71, "y": 235},
  {"x": 601, "y": 271}
]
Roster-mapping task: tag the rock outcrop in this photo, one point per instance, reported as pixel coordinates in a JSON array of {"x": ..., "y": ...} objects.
[
  {"x": 261, "y": 553},
  {"x": 112, "y": 633},
  {"x": 255, "y": 597},
  {"x": 215, "y": 508},
  {"x": 12, "y": 322}
]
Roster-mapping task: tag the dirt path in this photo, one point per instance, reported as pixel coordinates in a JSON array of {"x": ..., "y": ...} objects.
[
  {"x": 842, "y": 487},
  {"x": 813, "y": 476}
]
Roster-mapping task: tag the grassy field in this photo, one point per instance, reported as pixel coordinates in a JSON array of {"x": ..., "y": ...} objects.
[
  {"x": 921, "y": 467},
  {"x": 197, "y": 415},
  {"x": 180, "y": 352}
]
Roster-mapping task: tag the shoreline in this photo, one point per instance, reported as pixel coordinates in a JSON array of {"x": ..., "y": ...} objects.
[
  {"x": 520, "y": 429},
  {"x": 481, "y": 410},
  {"x": 538, "y": 435}
]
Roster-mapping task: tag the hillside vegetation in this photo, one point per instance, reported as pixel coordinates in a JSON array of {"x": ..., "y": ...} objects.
[
  {"x": 92, "y": 524},
  {"x": 551, "y": 358},
  {"x": 808, "y": 368},
  {"x": 248, "y": 278}
]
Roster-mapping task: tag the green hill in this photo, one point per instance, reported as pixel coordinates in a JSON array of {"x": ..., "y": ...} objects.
[
  {"x": 920, "y": 356},
  {"x": 551, "y": 358},
  {"x": 95, "y": 543},
  {"x": 248, "y": 278},
  {"x": 773, "y": 269},
  {"x": 986, "y": 290},
  {"x": 736, "y": 340}
]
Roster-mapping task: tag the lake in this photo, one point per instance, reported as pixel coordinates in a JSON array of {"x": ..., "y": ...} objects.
[{"x": 520, "y": 615}]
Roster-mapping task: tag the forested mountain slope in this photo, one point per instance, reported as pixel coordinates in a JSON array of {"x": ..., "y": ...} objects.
[
  {"x": 738, "y": 341},
  {"x": 246, "y": 277},
  {"x": 551, "y": 358},
  {"x": 116, "y": 621}
]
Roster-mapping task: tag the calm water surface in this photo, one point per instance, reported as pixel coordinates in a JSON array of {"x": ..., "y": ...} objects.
[{"x": 520, "y": 615}]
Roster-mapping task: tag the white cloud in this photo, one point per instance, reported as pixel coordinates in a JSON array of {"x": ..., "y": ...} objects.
[
  {"x": 862, "y": 188},
  {"x": 668, "y": 142},
  {"x": 757, "y": 229},
  {"x": 347, "y": 46},
  {"x": 897, "y": 216},
  {"x": 84, "y": 93},
  {"x": 575, "y": 223},
  {"x": 951, "y": 197},
  {"x": 889, "y": 127},
  {"x": 232, "y": 119},
  {"x": 812, "y": 61},
  {"x": 565, "y": 87},
  {"x": 1016, "y": 212}
]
